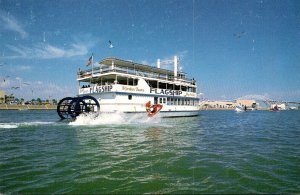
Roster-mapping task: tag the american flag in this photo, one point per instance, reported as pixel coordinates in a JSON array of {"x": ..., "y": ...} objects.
[{"x": 90, "y": 60}]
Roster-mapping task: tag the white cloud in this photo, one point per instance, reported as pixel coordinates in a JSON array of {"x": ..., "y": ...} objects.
[
  {"x": 8, "y": 22},
  {"x": 17, "y": 68},
  {"x": 47, "y": 51},
  {"x": 22, "y": 68},
  {"x": 36, "y": 89}
]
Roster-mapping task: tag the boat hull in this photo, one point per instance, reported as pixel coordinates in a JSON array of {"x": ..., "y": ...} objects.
[
  {"x": 113, "y": 102},
  {"x": 161, "y": 114}
]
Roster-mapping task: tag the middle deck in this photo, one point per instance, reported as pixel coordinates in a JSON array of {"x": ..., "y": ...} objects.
[{"x": 120, "y": 75}]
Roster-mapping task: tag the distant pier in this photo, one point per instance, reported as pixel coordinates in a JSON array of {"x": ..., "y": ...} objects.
[
  {"x": 249, "y": 104},
  {"x": 26, "y": 107}
]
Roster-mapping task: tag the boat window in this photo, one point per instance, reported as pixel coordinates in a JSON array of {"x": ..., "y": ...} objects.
[
  {"x": 160, "y": 100},
  {"x": 162, "y": 85},
  {"x": 155, "y": 100},
  {"x": 130, "y": 97},
  {"x": 170, "y": 86},
  {"x": 164, "y": 100},
  {"x": 152, "y": 84},
  {"x": 122, "y": 80},
  {"x": 131, "y": 81}
]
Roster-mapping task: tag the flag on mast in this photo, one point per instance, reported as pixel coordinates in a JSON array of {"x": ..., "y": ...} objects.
[{"x": 90, "y": 60}]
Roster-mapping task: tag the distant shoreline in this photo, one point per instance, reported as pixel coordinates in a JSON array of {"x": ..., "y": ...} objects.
[
  {"x": 27, "y": 107},
  {"x": 201, "y": 109},
  {"x": 53, "y": 107}
]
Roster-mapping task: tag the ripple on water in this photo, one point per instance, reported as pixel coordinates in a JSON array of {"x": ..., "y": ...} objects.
[{"x": 217, "y": 152}]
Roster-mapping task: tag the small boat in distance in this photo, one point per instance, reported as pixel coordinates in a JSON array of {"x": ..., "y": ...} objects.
[
  {"x": 275, "y": 109},
  {"x": 240, "y": 108}
]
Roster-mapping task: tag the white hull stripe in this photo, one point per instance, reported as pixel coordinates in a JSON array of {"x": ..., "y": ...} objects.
[{"x": 140, "y": 94}]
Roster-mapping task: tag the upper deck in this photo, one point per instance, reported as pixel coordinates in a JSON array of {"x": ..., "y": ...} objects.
[{"x": 132, "y": 69}]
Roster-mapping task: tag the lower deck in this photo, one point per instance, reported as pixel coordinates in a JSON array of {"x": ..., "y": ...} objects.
[{"x": 134, "y": 103}]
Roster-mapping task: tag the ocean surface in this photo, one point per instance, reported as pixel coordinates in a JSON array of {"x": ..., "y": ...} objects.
[{"x": 216, "y": 152}]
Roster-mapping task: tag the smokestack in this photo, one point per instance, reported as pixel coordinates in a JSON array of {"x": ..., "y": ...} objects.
[
  {"x": 175, "y": 66},
  {"x": 158, "y": 63}
]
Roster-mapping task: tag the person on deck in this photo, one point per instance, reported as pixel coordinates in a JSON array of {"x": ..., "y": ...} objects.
[{"x": 148, "y": 106}]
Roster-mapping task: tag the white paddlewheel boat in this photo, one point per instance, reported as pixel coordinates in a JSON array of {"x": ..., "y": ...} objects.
[{"x": 116, "y": 85}]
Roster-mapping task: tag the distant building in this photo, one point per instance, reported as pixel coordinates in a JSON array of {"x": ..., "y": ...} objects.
[
  {"x": 9, "y": 98},
  {"x": 223, "y": 105},
  {"x": 248, "y": 103},
  {"x": 2, "y": 97},
  {"x": 280, "y": 106},
  {"x": 217, "y": 105}
]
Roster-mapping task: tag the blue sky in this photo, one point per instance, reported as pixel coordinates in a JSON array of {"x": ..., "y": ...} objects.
[{"x": 233, "y": 49}]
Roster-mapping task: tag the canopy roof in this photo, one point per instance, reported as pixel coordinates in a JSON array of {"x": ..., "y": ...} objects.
[{"x": 136, "y": 66}]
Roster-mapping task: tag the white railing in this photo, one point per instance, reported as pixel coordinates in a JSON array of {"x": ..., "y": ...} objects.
[{"x": 98, "y": 70}]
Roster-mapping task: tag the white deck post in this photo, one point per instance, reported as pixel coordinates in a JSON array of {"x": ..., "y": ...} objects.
[
  {"x": 175, "y": 67},
  {"x": 112, "y": 65}
]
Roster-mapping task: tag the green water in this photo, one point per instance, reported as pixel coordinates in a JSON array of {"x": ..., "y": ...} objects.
[{"x": 216, "y": 152}]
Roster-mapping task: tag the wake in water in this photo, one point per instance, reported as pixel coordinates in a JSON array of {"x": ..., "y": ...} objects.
[
  {"x": 16, "y": 125},
  {"x": 113, "y": 118},
  {"x": 8, "y": 126},
  {"x": 92, "y": 119}
]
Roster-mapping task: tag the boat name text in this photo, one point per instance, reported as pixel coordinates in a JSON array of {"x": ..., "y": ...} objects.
[
  {"x": 135, "y": 89},
  {"x": 103, "y": 88},
  {"x": 190, "y": 94},
  {"x": 166, "y": 91}
]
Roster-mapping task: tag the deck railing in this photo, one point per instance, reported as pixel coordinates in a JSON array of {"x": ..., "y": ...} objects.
[{"x": 102, "y": 70}]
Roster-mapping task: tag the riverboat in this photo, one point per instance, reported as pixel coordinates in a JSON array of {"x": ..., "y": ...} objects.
[{"x": 125, "y": 86}]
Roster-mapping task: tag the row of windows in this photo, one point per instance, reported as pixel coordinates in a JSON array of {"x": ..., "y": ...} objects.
[
  {"x": 173, "y": 101},
  {"x": 151, "y": 83},
  {"x": 178, "y": 101}
]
